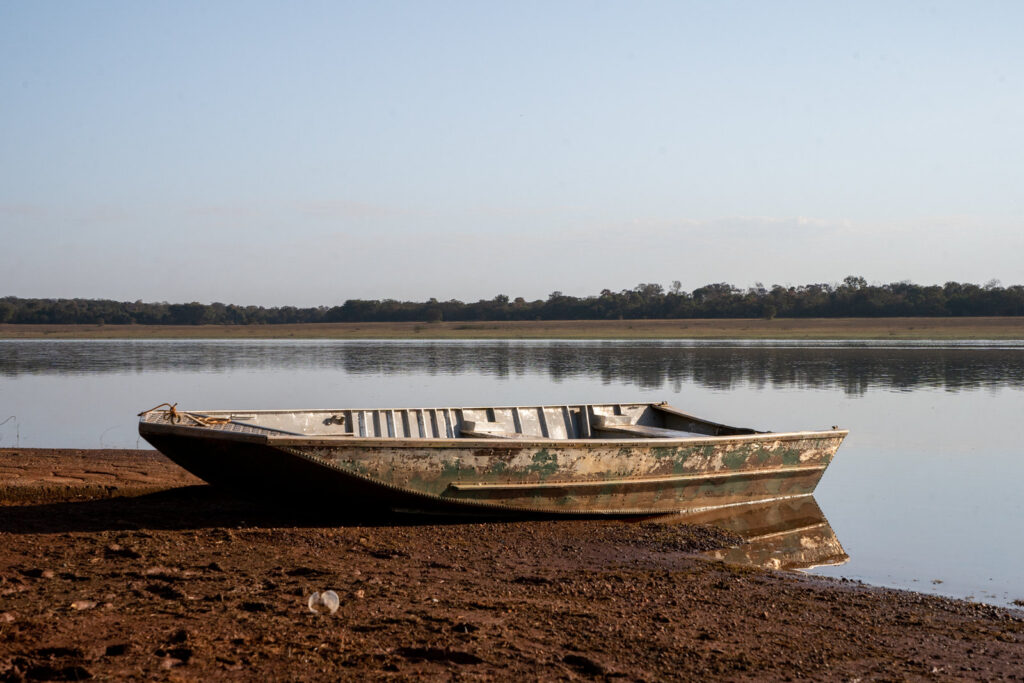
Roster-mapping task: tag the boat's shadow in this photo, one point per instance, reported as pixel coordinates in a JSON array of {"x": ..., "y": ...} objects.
[
  {"x": 781, "y": 534},
  {"x": 193, "y": 507},
  {"x": 209, "y": 507}
]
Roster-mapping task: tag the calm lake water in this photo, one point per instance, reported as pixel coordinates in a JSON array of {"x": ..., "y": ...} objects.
[{"x": 924, "y": 494}]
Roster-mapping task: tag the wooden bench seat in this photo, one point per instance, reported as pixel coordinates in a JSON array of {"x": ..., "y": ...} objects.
[
  {"x": 490, "y": 430},
  {"x": 614, "y": 424}
]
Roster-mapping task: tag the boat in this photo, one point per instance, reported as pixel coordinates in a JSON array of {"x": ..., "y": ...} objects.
[{"x": 587, "y": 459}]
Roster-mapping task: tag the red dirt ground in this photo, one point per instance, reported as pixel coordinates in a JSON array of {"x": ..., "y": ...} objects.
[{"x": 119, "y": 565}]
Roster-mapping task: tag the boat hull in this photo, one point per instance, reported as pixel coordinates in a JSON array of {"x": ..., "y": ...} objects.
[{"x": 466, "y": 475}]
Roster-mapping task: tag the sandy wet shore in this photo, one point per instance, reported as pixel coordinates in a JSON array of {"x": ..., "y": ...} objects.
[{"x": 118, "y": 564}]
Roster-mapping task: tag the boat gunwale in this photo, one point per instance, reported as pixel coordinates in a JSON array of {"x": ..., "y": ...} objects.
[
  {"x": 273, "y": 411},
  {"x": 333, "y": 440},
  {"x": 475, "y": 443}
]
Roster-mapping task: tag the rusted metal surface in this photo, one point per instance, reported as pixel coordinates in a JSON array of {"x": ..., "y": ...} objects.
[{"x": 531, "y": 459}]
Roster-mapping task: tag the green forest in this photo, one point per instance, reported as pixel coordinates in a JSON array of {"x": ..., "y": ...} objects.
[{"x": 853, "y": 297}]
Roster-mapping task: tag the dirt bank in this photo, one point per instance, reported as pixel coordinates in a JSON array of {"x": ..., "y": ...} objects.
[
  {"x": 178, "y": 581},
  {"x": 1007, "y": 327}
]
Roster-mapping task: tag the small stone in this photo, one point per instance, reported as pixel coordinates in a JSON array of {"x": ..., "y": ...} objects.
[
  {"x": 47, "y": 574},
  {"x": 158, "y": 571},
  {"x": 6, "y": 618},
  {"x": 117, "y": 550},
  {"x": 327, "y": 599},
  {"x": 82, "y": 605},
  {"x": 360, "y": 594}
]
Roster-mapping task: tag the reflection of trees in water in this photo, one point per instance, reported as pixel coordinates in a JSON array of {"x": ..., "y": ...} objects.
[{"x": 650, "y": 366}]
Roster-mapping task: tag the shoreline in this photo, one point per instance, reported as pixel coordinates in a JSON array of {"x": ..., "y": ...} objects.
[
  {"x": 117, "y": 563},
  {"x": 987, "y": 328}
]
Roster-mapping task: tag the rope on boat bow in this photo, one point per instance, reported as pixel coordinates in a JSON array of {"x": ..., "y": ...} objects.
[
  {"x": 172, "y": 413},
  {"x": 174, "y": 417}
]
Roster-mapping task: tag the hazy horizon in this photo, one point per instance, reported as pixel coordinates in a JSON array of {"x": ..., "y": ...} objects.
[{"x": 264, "y": 154}]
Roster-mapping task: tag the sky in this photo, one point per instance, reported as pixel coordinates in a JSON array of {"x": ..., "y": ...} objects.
[{"x": 305, "y": 153}]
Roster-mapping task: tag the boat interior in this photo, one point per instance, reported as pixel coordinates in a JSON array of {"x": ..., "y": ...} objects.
[{"x": 592, "y": 421}]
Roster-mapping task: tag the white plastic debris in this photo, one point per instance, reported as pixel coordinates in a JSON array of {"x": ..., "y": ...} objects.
[{"x": 328, "y": 600}]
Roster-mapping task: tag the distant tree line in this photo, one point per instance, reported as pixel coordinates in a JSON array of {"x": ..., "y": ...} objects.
[{"x": 853, "y": 297}]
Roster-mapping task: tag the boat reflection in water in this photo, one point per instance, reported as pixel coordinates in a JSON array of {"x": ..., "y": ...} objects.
[{"x": 783, "y": 534}]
